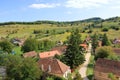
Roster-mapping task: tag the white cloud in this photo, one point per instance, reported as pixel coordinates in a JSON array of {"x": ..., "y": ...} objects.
[
  {"x": 68, "y": 12},
  {"x": 85, "y": 3},
  {"x": 115, "y": 7},
  {"x": 38, "y": 6}
]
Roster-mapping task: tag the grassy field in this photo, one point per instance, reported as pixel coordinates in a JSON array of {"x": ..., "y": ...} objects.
[
  {"x": 17, "y": 50},
  {"x": 90, "y": 68}
]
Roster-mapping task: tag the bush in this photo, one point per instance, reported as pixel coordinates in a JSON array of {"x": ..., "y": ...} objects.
[
  {"x": 105, "y": 29},
  {"x": 30, "y": 45},
  {"x": 103, "y": 52}
]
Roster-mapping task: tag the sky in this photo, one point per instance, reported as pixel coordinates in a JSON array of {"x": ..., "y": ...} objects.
[{"x": 57, "y": 10}]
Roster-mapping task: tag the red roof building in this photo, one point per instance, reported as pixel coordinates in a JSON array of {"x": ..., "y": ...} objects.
[
  {"x": 49, "y": 54},
  {"x": 54, "y": 67}
]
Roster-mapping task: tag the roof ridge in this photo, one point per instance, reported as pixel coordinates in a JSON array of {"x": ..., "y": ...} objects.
[{"x": 59, "y": 65}]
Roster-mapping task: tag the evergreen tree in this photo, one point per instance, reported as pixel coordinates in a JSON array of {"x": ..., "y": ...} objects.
[
  {"x": 94, "y": 42},
  {"x": 105, "y": 40},
  {"x": 73, "y": 56}
]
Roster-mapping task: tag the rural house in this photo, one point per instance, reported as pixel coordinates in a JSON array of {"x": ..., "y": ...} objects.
[
  {"x": 54, "y": 67},
  {"x": 84, "y": 47},
  {"x": 103, "y": 67},
  {"x": 30, "y": 54},
  {"x": 49, "y": 54},
  {"x": 18, "y": 42}
]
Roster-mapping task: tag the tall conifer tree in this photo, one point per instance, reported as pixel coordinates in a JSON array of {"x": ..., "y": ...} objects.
[{"x": 73, "y": 55}]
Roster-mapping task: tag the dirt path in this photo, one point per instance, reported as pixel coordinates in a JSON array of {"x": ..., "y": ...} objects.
[{"x": 83, "y": 69}]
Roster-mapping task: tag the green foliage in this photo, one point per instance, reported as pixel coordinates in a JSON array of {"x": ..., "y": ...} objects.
[
  {"x": 105, "y": 40},
  {"x": 112, "y": 76},
  {"x": 54, "y": 78},
  {"x": 90, "y": 67},
  {"x": 45, "y": 45},
  {"x": 50, "y": 78},
  {"x": 103, "y": 52},
  {"x": 77, "y": 76},
  {"x": 30, "y": 45},
  {"x": 20, "y": 68},
  {"x": 94, "y": 42},
  {"x": 105, "y": 29},
  {"x": 6, "y": 46},
  {"x": 73, "y": 56}
]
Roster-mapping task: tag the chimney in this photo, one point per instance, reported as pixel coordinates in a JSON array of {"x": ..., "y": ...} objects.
[{"x": 49, "y": 68}]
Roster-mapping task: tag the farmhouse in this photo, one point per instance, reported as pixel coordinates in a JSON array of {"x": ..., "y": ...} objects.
[
  {"x": 54, "y": 67},
  {"x": 18, "y": 42},
  {"x": 104, "y": 67}
]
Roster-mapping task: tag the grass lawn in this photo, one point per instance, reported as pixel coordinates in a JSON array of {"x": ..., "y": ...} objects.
[
  {"x": 90, "y": 68},
  {"x": 18, "y": 50}
]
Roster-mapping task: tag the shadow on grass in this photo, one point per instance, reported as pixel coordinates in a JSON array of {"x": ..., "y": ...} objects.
[
  {"x": 90, "y": 66},
  {"x": 90, "y": 77}
]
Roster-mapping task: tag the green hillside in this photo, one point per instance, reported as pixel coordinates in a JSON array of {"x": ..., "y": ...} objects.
[{"x": 59, "y": 30}]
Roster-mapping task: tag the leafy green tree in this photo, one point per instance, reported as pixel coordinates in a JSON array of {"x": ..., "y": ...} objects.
[
  {"x": 6, "y": 46},
  {"x": 94, "y": 42},
  {"x": 45, "y": 45},
  {"x": 105, "y": 40},
  {"x": 103, "y": 52},
  {"x": 73, "y": 55},
  {"x": 20, "y": 68},
  {"x": 30, "y": 45}
]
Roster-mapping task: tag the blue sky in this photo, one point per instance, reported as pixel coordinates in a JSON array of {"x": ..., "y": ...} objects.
[{"x": 57, "y": 10}]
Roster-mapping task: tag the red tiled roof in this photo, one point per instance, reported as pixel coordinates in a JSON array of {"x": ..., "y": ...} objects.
[
  {"x": 49, "y": 54},
  {"x": 61, "y": 49},
  {"x": 116, "y": 50},
  {"x": 84, "y": 46},
  {"x": 30, "y": 54},
  {"x": 56, "y": 67},
  {"x": 108, "y": 66}
]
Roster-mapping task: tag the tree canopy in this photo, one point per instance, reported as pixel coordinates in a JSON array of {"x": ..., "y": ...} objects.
[
  {"x": 103, "y": 52},
  {"x": 20, "y": 68},
  {"x": 30, "y": 45},
  {"x": 6, "y": 46},
  {"x": 105, "y": 41},
  {"x": 73, "y": 55}
]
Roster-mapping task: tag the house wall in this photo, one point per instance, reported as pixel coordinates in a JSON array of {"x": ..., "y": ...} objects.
[{"x": 66, "y": 73}]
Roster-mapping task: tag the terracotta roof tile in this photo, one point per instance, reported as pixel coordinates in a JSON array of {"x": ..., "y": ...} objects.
[
  {"x": 84, "y": 46},
  {"x": 49, "y": 54},
  {"x": 56, "y": 66}
]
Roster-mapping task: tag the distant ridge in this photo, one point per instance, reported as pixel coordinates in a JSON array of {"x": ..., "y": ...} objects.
[{"x": 94, "y": 19}]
